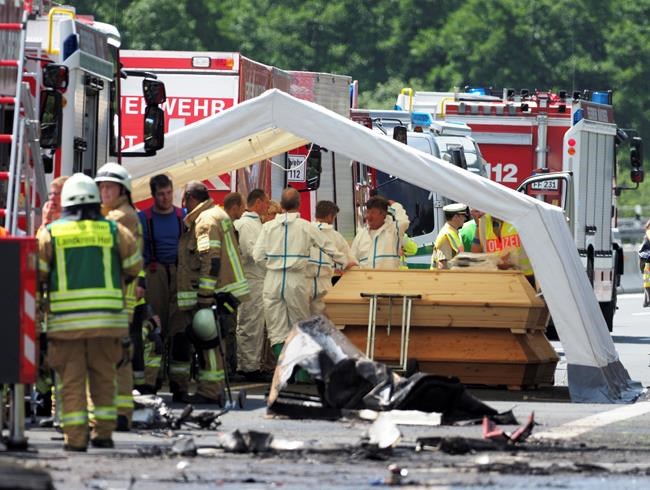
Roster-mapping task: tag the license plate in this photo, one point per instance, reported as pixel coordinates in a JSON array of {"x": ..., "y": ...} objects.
[{"x": 545, "y": 185}]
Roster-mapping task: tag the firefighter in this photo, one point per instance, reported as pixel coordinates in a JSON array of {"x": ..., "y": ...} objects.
[
  {"x": 114, "y": 183},
  {"x": 233, "y": 205},
  {"x": 50, "y": 213},
  {"x": 84, "y": 259},
  {"x": 209, "y": 273},
  {"x": 321, "y": 266},
  {"x": 448, "y": 243},
  {"x": 162, "y": 225},
  {"x": 250, "y": 320},
  {"x": 284, "y": 248},
  {"x": 52, "y": 207},
  {"x": 378, "y": 244}
]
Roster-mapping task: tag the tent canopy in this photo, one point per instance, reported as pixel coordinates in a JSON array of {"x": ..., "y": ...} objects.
[{"x": 276, "y": 122}]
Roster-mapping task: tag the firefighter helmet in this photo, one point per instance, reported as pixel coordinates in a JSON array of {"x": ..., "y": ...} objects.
[
  {"x": 204, "y": 330},
  {"x": 79, "y": 189},
  {"x": 114, "y": 172}
]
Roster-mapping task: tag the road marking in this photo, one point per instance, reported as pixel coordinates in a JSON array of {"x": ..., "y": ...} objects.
[
  {"x": 641, "y": 314},
  {"x": 586, "y": 424}
]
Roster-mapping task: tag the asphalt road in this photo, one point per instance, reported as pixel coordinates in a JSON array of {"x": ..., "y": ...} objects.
[{"x": 584, "y": 446}]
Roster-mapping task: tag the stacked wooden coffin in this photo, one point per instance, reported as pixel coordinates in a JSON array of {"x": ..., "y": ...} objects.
[{"x": 484, "y": 327}]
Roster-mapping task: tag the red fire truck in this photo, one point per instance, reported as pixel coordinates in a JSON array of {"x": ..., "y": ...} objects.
[
  {"x": 557, "y": 147},
  {"x": 201, "y": 84}
]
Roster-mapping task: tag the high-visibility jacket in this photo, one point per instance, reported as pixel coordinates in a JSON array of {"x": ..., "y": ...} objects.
[
  {"x": 122, "y": 212},
  {"x": 448, "y": 244},
  {"x": 208, "y": 258},
  {"x": 84, "y": 263},
  {"x": 409, "y": 248},
  {"x": 506, "y": 240},
  {"x": 381, "y": 248}
]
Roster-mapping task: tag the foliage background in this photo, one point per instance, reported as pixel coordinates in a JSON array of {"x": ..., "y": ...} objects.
[{"x": 424, "y": 44}]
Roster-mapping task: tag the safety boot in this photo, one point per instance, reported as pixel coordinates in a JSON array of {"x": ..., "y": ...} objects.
[{"x": 102, "y": 443}]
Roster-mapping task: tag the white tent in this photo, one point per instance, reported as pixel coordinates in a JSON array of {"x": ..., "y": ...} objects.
[{"x": 276, "y": 122}]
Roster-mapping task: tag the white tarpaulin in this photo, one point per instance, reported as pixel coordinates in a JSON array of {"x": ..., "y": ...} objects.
[{"x": 276, "y": 122}]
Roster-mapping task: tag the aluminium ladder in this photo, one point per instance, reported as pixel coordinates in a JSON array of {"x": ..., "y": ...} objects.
[{"x": 22, "y": 180}]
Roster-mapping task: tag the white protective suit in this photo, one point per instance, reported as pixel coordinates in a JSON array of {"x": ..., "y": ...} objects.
[
  {"x": 380, "y": 248},
  {"x": 250, "y": 315},
  {"x": 284, "y": 246},
  {"x": 321, "y": 266}
]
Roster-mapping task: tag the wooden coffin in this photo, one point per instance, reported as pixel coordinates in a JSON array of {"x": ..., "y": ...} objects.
[{"x": 484, "y": 327}]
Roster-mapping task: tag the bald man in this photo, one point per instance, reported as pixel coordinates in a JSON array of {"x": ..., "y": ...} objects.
[{"x": 283, "y": 247}]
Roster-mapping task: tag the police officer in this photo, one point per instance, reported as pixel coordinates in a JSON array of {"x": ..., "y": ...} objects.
[
  {"x": 114, "y": 183},
  {"x": 448, "y": 243},
  {"x": 84, "y": 260},
  {"x": 209, "y": 272}
]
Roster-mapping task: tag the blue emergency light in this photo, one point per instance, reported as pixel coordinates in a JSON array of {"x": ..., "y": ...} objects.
[
  {"x": 600, "y": 97},
  {"x": 476, "y": 91},
  {"x": 421, "y": 119}
]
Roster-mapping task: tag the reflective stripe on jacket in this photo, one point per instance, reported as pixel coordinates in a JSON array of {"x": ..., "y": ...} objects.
[
  {"x": 209, "y": 240},
  {"x": 86, "y": 272}
]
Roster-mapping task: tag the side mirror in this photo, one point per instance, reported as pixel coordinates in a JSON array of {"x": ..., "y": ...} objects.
[
  {"x": 56, "y": 76},
  {"x": 399, "y": 134},
  {"x": 51, "y": 117},
  {"x": 154, "y": 129},
  {"x": 314, "y": 168},
  {"x": 153, "y": 91},
  {"x": 636, "y": 153},
  {"x": 637, "y": 175},
  {"x": 457, "y": 156}
]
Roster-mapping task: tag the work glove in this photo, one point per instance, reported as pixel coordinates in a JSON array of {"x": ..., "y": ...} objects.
[
  {"x": 155, "y": 336},
  {"x": 226, "y": 303},
  {"x": 126, "y": 352}
]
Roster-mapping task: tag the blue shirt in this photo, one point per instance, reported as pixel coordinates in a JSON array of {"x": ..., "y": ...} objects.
[{"x": 166, "y": 233}]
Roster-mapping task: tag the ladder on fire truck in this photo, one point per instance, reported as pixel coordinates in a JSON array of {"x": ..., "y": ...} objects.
[{"x": 22, "y": 180}]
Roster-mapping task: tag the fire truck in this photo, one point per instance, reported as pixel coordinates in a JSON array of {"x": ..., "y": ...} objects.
[
  {"x": 60, "y": 81},
  {"x": 557, "y": 147},
  {"x": 201, "y": 84}
]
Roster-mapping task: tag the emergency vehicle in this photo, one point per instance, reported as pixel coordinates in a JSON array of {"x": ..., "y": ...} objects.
[
  {"x": 201, "y": 84},
  {"x": 59, "y": 86},
  {"x": 557, "y": 147},
  {"x": 450, "y": 141}
]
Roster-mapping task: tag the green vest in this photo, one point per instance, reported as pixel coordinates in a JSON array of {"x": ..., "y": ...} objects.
[{"x": 86, "y": 272}]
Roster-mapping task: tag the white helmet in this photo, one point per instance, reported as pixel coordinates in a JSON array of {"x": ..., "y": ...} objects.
[
  {"x": 79, "y": 189},
  {"x": 114, "y": 172}
]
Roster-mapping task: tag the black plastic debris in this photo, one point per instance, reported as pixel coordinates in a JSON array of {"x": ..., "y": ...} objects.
[
  {"x": 248, "y": 442},
  {"x": 348, "y": 380},
  {"x": 457, "y": 445},
  {"x": 151, "y": 412}
]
